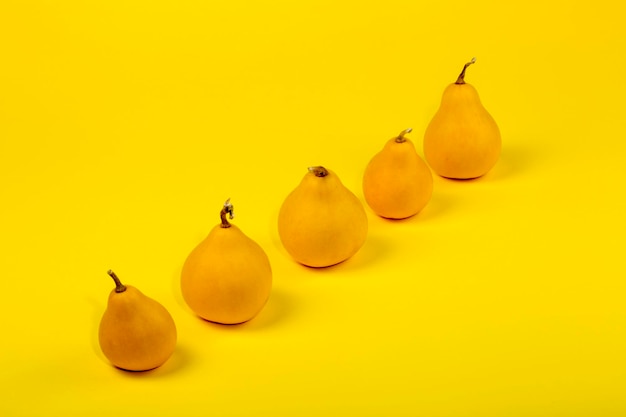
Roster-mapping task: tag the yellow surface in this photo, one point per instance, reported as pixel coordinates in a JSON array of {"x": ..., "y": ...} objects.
[{"x": 125, "y": 125}]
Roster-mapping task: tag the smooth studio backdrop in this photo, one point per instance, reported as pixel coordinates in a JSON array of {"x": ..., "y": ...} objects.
[{"x": 125, "y": 125}]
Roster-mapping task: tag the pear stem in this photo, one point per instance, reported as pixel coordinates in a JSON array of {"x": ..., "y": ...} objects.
[
  {"x": 401, "y": 137},
  {"x": 318, "y": 171},
  {"x": 227, "y": 209},
  {"x": 461, "y": 79},
  {"x": 119, "y": 287}
]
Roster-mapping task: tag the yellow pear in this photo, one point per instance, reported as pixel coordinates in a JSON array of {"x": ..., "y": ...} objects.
[
  {"x": 397, "y": 183},
  {"x": 462, "y": 140},
  {"x": 227, "y": 278},
  {"x": 321, "y": 222},
  {"x": 136, "y": 332}
]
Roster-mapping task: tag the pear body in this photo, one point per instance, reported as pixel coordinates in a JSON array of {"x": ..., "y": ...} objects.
[
  {"x": 462, "y": 141},
  {"x": 321, "y": 222},
  {"x": 227, "y": 278},
  {"x": 397, "y": 183},
  {"x": 136, "y": 333}
]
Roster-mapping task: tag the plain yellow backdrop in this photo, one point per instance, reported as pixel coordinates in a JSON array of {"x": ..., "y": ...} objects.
[{"x": 125, "y": 125}]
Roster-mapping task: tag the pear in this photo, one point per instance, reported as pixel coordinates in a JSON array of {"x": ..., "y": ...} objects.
[
  {"x": 136, "y": 332},
  {"x": 321, "y": 222},
  {"x": 397, "y": 183},
  {"x": 462, "y": 141},
  {"x": 227, "y": 278}
]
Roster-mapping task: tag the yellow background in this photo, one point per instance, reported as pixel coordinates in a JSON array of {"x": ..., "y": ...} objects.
[{"x": 124, "y": 125}]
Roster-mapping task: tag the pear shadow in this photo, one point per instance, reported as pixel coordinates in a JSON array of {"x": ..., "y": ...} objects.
[
  {"x": 176, "y": 363},
  {"x": 514, "y": 160},
  {"x": 372, "y": 250},
  {"x": 98, "y": 309},
  {"x": 272, "y": 233},
  {"x": 175, "y": 287},
  {"x": 279, "y": 306},
  {"x": 517, "y": 159},
  {"x": 276, "y": 309},
  {"x": 438, "y": 206}
]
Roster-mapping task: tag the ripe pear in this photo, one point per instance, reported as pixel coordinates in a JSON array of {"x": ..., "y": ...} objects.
[
  {"x": 462, "y": 141},
  {"x": 321, "y": 222},
  {"x": 136, "y": 332},
  {"x": 397, "y": 183},
  {"x": 227, "y": 278}
]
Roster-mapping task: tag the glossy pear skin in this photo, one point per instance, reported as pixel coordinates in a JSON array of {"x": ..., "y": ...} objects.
[
  {"x": 397, "y": 183},
  {"x": 462, "y": 141},
  {"x": 136, "y": 332},
  {"x": 321, "y": 222},
  {"x": 227, "y": 278}
]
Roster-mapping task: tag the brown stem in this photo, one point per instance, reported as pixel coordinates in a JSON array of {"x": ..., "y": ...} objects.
[
  {"x": 461, "y": 79},
  {"x": 318, "y": 171},
  {"x": 119, "y": 287},
  {"x": 227, "y": 209},
  {"x": 401, "y": 137}
]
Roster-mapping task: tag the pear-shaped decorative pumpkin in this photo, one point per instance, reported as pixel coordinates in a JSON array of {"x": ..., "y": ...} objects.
[
  {"x": 321, "y": 222},
  {"x": 136, "y": 333},
  {"x": 462, "y": 140},
  {"x": 397, "y": 183},
  {"x": 227, "y": 278}
]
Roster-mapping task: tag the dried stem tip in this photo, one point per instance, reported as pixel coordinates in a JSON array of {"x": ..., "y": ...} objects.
[
  {"x": 227, "y": 209},
  {"x": 461, "y": 79},
  {"x": 318, "y": 171},
  {"x": 119, "y": 287},
  {"x": 400, "y": 138}
]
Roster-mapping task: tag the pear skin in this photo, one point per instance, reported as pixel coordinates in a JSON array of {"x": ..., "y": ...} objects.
[
  {"x": 136, "y": 333},
  {"x": 397, "y": 183},
  {"x": 321, "y": 222},
  {"x": 462, "y": 141},
  {"x": 227, "y": 278}
]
